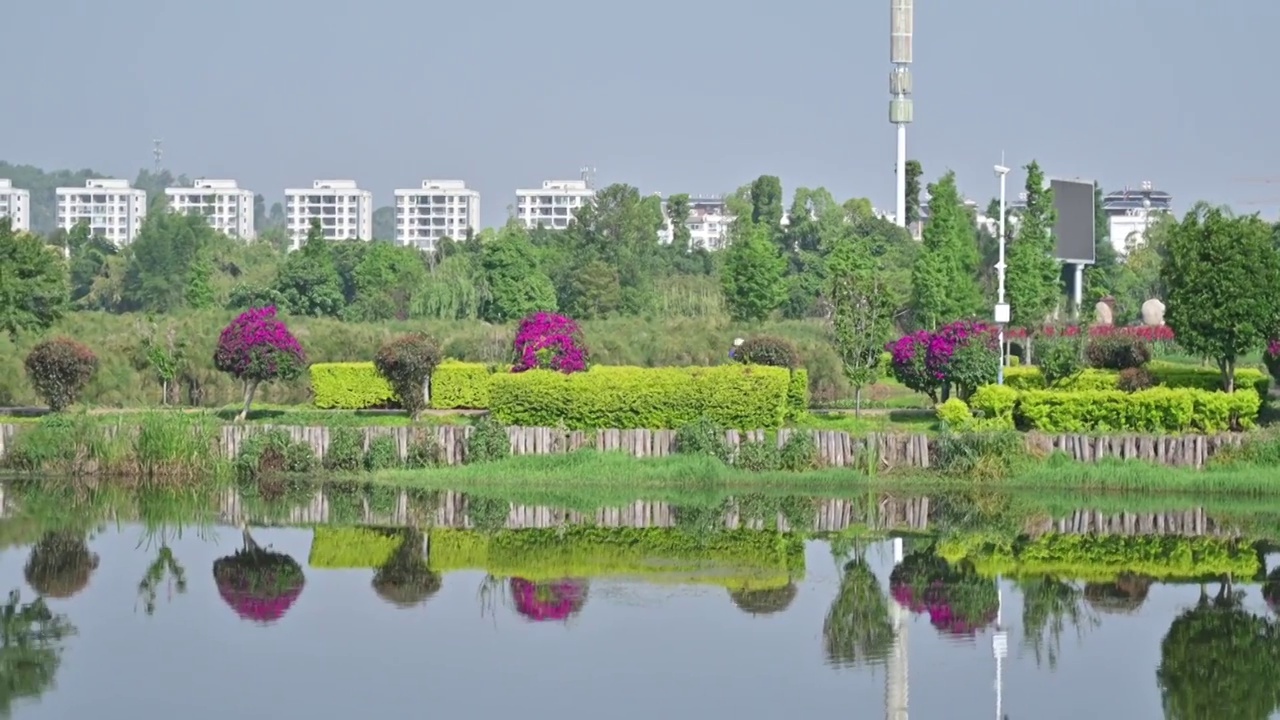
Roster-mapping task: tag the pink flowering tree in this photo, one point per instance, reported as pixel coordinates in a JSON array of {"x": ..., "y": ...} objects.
[
  {"x": 259, "y": 584},
  {"x": 258, "y": 348},
  {"x": 959, "y": 357},
  {"x": 547, "y": 341}
]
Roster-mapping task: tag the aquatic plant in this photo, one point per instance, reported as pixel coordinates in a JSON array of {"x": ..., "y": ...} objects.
[
  {"x": 555, "y": 600},
  {"x": 259, "y": 584}
]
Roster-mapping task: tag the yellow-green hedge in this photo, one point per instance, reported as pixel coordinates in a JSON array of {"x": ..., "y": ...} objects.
[
  {"x": 1166, "y": 374},
  {"x": 798, "y": 393},
  {"x": 1157, "y": 410},
  {"x": 358, "y": 386},
  {"x": 735, "y": 396}
]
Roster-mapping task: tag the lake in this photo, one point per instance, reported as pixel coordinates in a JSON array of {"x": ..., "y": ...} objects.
[{"x": 350, "y": 601}]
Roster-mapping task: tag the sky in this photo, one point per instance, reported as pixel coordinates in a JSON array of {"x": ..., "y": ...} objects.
[{"x": 698, "y": 97}]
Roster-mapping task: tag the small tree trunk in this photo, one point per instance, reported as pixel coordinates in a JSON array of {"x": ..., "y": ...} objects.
[
  {"x": 857, "y": 402},
  {"x": 1228, "y": 370},
  {"x": 426, "y": 397},
  {"x": 1026, "y": 350},
  {"x": 164, "y": 392},
  {"x": 249, "y": 388}
]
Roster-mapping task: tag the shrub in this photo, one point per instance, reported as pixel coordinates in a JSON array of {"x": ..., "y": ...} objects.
[
  {"x": 1118, "y": 352},
  {"x": 59, "y": 369},
  {"x": 954, "y": 414},
  {"x": 757, "y": 456},
  {"x": 358, "y": 386},
  {"x": 981, "y": 455},
  {"x": 1157, "y": 410},
  {"x": 407, "y": 363},
  {"x": 382, "y": 455},
  {"x": 799, "y": 452},
  {"x": 702, "y": 437},
  {"x": 995, "y": 403},
  {"x": 488, "y": 441},
  {"x": 767, "y": 350},
  {"x": 961, "y": 356},
  {"x": 258, "y": 348},
  {"x": 547, "y": 341},
  {"x": 346, "y": 450},
  {"x": 798, "y": 393},
  {"x": 1134, "y": 379},
  {"x": 425, "y": 451},
  {"x": 1059, "y": 357},
  {"x": 736, "y": 396},
  {"x": 273, "y": 453},
  {"x": 1164, "y": 374},
  {"x": 459, "y": 385}
]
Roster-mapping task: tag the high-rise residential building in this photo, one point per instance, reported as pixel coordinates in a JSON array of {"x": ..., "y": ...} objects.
[
  {"x": 438, "y": 209},
  {"x": 113, "y": 209},
  {"x": 553, "y": 205},
  {"x": 227, "y": 206},
  {"x": 344, "y": 210},
  {"x": 1131, "y": 212},
  {"x": 15, "y": 204},
  {"x": 708, "y": 223}
]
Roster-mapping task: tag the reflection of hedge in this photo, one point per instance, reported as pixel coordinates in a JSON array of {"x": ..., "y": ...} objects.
[
  {"x": 1104, "y": 558},
  {"x": 353, "y": 547},
  {"x": 738, "y": 559}
]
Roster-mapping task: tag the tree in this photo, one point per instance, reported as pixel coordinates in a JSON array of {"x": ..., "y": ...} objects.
[
  {"x": 257, "y": 348},
  {"x": 1222, "y": 273},
  {"x": 162, "y": 262},
  {"x": 944, "y": 279},
  {"x": 406, "y": 363},
  {"x": 752, "y": 275},
  {"x": 678, "y": 214},
  {"x": 914, "y": 172},
  {"x": 33, "y": 283},
  {"x": 1033, "y": 280},
  {"x": 163, "y": 354},
  {"x": 308, "y": 281},
  {"x": 383, "y": 282},
  {"x": 516, "y": 284},
  {"x": 766, "y": 205},
  {"x": 862, "y": 313},
  {"x": 59, "y": 370}
]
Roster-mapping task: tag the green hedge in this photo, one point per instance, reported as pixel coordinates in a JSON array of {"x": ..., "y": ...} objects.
[
  {"x": 734, "y": 396},
  {"x": 358, "y": 386},
  {"x": 1156, "y": 410},
  {"x": 1166, "y": 374},
  {"x": 798, "y": 393}
]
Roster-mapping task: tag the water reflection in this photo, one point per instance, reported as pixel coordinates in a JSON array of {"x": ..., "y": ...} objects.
[{"x": 783, "y": 603}]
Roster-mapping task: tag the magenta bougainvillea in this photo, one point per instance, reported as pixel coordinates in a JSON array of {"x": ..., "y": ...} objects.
[
  {"x": 547, "y": 341},
  {"x": 259, "y": 585},
  {"x": 1148, "y": 333},
  {"x": 962, "y": 356},
  {"x": 957, "y": 600},
  {"x": 556, "y": 600},
  {"x": 257, "y": 346}
]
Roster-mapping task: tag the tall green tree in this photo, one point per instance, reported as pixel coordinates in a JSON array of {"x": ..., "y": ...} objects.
[
  {"x": 1222, "y": 275},
  {"x": 309, "y": 280},
  {"x": 766, "y": 205},
  {"x": 678, "y": 210},
  {"x": 861, "y": 312},
  {"x": 160, "y": 261},
  {"x": 33, "y": 283},
  {"x": 752, "y": 275},
  {"x": 385, "y": 280},
  {"x": 516, "y": 284},
  {"x": 1033, "y": 280},
  {"x": 944, "y": 282},
  {"x": 914, "y": 172}
]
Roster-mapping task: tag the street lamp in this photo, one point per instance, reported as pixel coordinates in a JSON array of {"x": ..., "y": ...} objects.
[{"x": 1002, "y": 307}]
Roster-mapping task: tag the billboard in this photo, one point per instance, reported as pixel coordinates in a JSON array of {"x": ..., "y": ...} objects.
[{"x": 1073, "y": 231}]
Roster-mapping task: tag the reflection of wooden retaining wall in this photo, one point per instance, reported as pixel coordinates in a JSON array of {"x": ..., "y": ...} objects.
[
  {"x": 902, "y": 514},
  {"x": 835, "y": 449}
]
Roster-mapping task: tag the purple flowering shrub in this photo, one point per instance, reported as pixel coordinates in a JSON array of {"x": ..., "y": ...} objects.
[
  {"x": 957, "y": 600},
  {"x": 540, "y": 601},
  {"x": 547, "y": 341},
  {"x": 960, "y": 357},
  {"x": 257, "y": 347}
]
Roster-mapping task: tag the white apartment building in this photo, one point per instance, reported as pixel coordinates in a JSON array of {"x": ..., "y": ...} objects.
[
  {"x": 708, "y": 223},
  {"x": 438, "y": 209},
  {"x": 1131, "y": 212},
  {"x": 15, "y": 204},
  {"x": 227, "y": 206},
  {"x": 344, "y": 210},
  {"x": 553, "y": 205},
  {"x": 113, "y": 209}
]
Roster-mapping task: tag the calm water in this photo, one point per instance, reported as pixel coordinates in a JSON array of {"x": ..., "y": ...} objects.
[{"x": 658, "y": 635}]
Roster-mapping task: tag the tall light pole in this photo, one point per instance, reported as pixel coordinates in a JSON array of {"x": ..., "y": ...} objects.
[
  {"x": 901, "y": 109},
  {"x": 1002, "y": 307}
]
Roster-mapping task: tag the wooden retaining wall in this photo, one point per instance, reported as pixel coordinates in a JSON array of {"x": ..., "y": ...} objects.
[{"x": 835, "y": 448}]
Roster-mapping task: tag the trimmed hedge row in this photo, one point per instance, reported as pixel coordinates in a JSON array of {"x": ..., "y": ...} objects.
[
  {"x": 734, "y": 396},
  {"x": 1156, "y": 410},
  {"x": 1166, "y": 374},
  {"x": 459, "y": 385}
]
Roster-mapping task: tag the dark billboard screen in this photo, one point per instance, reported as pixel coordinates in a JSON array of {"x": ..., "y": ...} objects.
[{"x": 1073, "y": 231}]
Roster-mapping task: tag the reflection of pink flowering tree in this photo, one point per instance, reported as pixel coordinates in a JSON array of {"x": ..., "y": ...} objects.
[
  {"x": 961, "y": 356},
  {"x": 555, "y": 600},
  {"x": 260, "y": 585},
  {"x": 958, "y": 601},
  {"x": 258, "y": 348},
  {"x": 547, "y": 341}
]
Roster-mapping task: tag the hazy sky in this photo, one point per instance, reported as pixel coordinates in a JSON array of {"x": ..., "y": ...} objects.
[{"x": 696, "y": 97}]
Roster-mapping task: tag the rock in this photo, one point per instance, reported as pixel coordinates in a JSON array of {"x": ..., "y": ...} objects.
[
  {"x": 1102, "y": 314},
  {"x": 1153, "y": 313}
]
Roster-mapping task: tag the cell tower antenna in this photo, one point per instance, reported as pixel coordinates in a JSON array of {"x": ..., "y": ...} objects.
[
  {"x": 157, "y": 152},
  {"x": 901, "y": 108},
  {"x": 588, "y": 176}
]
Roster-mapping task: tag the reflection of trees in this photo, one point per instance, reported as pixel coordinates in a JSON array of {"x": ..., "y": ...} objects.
[
  {"x": 553, "y": 600},
  {"x": 259, "y": 584},
  {"x": 406, "y": 580},
  {"x": 1271, "y": 590},
  {"x": 957, "y": 599},
  {"x": 30, "y": 649},
  {"x": 1219, "y": 660},
  {"x": 857, "y": 629},
  {"x": 164, "y": 566},
  {"x": 1125, "y": 595},
  {"x": 764, "y": 602},
  {"x": 60, "y": 564},
  {"x": 1049, "y": 606}
]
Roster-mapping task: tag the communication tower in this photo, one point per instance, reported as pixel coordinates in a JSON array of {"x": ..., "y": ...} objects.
[{"x": 901, "y": 110}]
